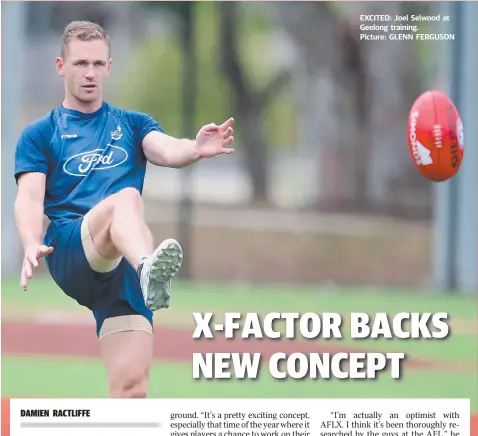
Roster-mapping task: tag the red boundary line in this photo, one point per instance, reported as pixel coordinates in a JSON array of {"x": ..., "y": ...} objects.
[
  {"x": 6, "y": 420},
  {"x": 5, "y": 417}
]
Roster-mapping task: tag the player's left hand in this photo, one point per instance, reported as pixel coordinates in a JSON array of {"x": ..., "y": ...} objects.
[
  {"x": 212, "y": 139},
  {"x": 32, "y": 255}
]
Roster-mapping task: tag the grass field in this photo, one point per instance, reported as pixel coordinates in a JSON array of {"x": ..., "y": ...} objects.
[{"x": 448, "y": 366}]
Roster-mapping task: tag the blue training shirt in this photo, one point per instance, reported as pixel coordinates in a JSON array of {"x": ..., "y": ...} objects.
[{"x": 85, "y": 156}]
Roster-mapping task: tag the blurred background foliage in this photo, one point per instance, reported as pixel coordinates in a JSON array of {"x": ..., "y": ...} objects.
[{"x": 321, "y": 143}]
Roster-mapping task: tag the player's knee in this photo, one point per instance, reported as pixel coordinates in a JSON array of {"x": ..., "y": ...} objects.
[
  {"x": 130, "y": 198},
  {"x": 131, "y": 384}
]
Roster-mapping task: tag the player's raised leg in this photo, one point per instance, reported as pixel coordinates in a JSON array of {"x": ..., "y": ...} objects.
[{"x": 116, "y": 227}]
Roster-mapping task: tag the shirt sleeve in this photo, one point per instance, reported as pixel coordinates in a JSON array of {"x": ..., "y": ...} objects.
[
  {"x": 30, "y": 154},
  {"x": 146, "y": 124}
]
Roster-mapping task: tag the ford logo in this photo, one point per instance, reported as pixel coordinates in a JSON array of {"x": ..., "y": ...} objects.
[{"x": 100, "y": 159}]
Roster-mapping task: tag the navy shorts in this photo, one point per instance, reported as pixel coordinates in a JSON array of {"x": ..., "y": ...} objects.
[{"x": 107, "y": 295}]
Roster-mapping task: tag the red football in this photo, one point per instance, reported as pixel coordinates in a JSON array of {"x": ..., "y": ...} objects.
[{"x": 435, "y": 136}]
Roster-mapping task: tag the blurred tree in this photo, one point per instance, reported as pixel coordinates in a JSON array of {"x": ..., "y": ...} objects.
[
  {"x": 159, "y": 65},
  {"x": 364, "y": 91},
  {"x": 63, "y": 12},
  {"x": 265, "y": 114},
  {"x": 249, "y": 102},
  {"x": 189, "y": 81}
]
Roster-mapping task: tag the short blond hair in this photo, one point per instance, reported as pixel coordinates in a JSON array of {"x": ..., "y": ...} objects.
[{"x": 84, "y": 31}]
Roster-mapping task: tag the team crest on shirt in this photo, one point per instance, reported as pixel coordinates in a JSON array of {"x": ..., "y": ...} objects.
[
  {"x": 82, "y": 164},
  {"x": 117, "y": 133}
]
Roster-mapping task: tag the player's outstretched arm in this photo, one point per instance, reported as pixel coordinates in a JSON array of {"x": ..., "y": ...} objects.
[
  {"x": 29, "y": 221},
  {"x": 167, "y": 151}
]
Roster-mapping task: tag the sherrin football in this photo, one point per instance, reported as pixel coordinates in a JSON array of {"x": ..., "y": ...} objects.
[{"x": 435, "y": 136}]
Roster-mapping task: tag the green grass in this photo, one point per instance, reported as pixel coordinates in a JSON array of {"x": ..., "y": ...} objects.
[
  {"x": 51, "y": 377},
  {"x": 224, "y": 297},
  {"x": 219, "y": 296}
]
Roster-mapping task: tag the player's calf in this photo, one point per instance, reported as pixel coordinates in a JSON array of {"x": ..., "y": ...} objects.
[{"x": 128, "y": 230}]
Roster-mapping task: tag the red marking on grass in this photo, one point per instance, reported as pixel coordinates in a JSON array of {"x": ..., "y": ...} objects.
[
  {"x": 474, "y": 425},
  {"x": 5, "y": 417}
]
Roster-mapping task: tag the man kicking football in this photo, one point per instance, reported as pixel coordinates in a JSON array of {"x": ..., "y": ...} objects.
[{"x": 83, "y": 166}]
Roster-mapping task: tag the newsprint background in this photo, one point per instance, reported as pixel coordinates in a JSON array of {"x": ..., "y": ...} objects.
[{"x": 321, "y": 207}]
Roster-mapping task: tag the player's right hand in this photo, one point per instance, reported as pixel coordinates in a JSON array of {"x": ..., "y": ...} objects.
[{"x": 30, "y": 262}]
